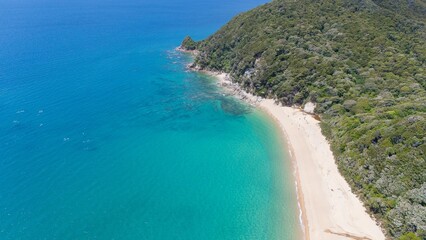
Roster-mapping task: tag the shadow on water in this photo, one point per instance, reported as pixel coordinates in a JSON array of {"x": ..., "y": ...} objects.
[{"x": 234, "y": 107}]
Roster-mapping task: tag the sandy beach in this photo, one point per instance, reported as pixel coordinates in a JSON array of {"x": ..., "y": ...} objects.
[{"x": 329, "y": 209}]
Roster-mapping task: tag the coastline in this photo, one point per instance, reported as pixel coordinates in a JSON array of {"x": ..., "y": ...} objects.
[{"x": 329, "y": 209}]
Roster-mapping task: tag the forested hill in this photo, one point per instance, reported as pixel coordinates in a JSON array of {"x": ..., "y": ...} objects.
[
  {"x": 408, "y": 8},
  {"x": 363, "y": 63}
]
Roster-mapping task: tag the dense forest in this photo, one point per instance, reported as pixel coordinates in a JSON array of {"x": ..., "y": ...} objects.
[{"x": 363, "y": 62}]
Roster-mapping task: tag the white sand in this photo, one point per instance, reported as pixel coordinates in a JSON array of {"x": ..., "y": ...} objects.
[{"x": 330, "y": 210}]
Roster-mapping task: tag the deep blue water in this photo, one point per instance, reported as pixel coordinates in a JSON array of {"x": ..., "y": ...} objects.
[{"x": 104, "y": 135}]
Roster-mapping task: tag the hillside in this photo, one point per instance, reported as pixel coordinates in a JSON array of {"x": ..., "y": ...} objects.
[{"x": 363, "y": 63}]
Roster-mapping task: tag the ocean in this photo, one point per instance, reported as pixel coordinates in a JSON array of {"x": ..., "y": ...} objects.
[{"x": 105, "y": 135}]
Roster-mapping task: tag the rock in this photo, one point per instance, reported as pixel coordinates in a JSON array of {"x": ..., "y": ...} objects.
[{"x": 309, "y": 107}]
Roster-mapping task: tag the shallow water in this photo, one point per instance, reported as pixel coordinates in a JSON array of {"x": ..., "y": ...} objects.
[{"x": 104, "y": 135}]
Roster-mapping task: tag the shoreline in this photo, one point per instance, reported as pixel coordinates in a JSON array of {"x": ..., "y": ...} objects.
[{"x": 329, "y": 209}]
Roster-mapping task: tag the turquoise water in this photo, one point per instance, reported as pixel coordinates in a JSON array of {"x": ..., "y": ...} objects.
[{"x": 104, "y": 135}]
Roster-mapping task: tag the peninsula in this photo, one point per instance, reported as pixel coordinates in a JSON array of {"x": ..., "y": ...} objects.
[{"x": 359, "y": 67}]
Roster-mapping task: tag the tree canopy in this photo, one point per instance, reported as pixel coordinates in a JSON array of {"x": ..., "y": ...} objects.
[{"x": 363, "y": 62}]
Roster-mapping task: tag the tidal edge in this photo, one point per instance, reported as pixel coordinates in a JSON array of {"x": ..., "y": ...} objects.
[{"x": 328, "y": 208}]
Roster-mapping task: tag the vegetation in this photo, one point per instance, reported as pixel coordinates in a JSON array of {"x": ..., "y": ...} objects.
[
  {"x": 188, "y": 44},
  {"x": 363, "y": 62}
]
